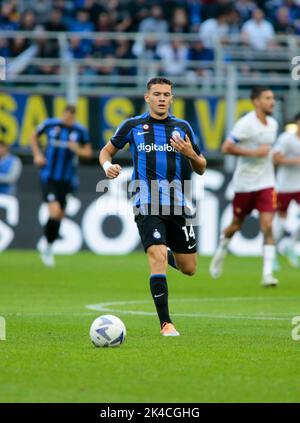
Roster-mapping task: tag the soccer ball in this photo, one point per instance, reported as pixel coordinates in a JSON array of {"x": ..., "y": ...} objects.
[{"x": 107, "y": 331}]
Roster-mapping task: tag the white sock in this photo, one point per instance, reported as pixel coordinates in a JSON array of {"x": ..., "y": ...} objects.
[
  {"x": 278, "y": 227},
  {"x": 223, "y": 245},
  {"x": 269, "y": 253}
]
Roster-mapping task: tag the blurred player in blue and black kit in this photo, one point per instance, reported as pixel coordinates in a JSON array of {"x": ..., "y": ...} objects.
[
  {"x": 66, "y": 141},
  {"x": 161, "y": 147}
]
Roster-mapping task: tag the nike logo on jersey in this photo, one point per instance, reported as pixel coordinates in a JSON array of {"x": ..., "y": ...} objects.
[
  {"x": 141, "y": 133},
  {"x": 191, "y": 246},
  {"x": 159, "y": 295}
]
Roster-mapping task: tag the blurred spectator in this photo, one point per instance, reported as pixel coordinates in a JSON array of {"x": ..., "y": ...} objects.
[
  {"x": 147, "y": 51},
  {"x": 81, "y": 23},
  {"x": 41, "y": 8},
  {"x": 257, "y": 32},
  {"x": 133, "y": 13},
  {"x": 123, "y": 51},
  {"x": 245, "y": 9},
  {"x": 179, "y": 22},
  {"x": 195, "y": 14},
  {"x": 102, "y": 49},
  {"x": 8, "y": 17},
  {"x": 198, "y": 52},
  {"x": 55, "y": 22},
  {"x": 10, "y": 170},
  {"x": 174, "y": 57},
  {"x": 104, "y": 23},
  {"x": 17, "y": 45},
  {"x": 4, "y": 48},
  {"x": 28, "y": 21},
  {"x": 216, "y": 29},
  {"x": 155, "y": 22},
  {"x": 283, "y": 23},
  {"x": 45, "y": 50},
  {"x": 93, "y": 8},
  {"x": 79, "y": 49}
]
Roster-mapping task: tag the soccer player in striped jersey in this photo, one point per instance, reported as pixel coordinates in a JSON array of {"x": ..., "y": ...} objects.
[
  {"x": 66, "y": 141},
  {"x": 287, "y": 158},
  {"x": 251, "y": 139},
  {"x": 162, "y": 147}
]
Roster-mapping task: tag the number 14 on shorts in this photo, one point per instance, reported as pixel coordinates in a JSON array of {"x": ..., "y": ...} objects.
[{"x": 189, "y": 232}]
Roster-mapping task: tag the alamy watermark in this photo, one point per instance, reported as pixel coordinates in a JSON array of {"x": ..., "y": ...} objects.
[
  {"x": 296, "y": 328},
  {"x": 2, "y": 68},
  {"x": 2, "y": 329},
  {"x": 296, "y": 68},
  {"x": 154, "y": 197}
]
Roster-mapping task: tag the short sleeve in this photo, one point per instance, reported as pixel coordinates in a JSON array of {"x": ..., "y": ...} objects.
[
  {"x": 84, "y": 136},
  {"x": 241, "y": 131},
  {"x": 41, "y": 127},
  {"x": 122, "y": 135},
  {"x": 193, "y": 138}
]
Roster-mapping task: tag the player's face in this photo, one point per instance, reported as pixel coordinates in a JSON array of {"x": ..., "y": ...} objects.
[
  {"x": 265, "y": 102},
  {"x": 3, "y": 150},
  {"x": 159, "y": 98},
  {"x": 68, "y": 118}
]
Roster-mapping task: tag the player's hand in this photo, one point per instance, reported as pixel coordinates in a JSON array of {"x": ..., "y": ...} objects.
[
  {"x": 113, "y": 171},
  {"x": 39, "y": 160},
  {"x": 262, "y": 151},
  {"x": 277, "y": 157},
  {"x": 183, "y": 146},
  {"x": 73, "y": 146}
]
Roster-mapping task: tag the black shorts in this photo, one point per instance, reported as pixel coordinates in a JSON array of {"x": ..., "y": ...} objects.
[
  {"x": 169, "y": 230},
  {"x": 56, "y": 191}
]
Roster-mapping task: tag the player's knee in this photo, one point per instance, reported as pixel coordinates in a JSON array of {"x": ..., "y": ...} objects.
[
  {"x": 189, "y": 269},
  {"x": 157, "y": 255}
]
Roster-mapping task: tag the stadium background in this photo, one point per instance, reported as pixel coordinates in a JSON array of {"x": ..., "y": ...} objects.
[{"x": 100, "y": 55}]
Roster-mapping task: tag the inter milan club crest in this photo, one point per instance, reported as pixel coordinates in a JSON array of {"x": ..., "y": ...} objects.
[
  {"x": 156, "y": 234},
  {"x": 145, "y": 127},
  {"x": 175, "y": 134}
]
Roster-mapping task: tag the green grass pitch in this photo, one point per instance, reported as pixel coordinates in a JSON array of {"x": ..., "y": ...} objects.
[{"x": 235, "y": 343}]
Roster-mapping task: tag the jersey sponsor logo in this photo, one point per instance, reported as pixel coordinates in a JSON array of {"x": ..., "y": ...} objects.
[
  {"x": 155, "y": 147},
  {"x": 59, "y": 143}
]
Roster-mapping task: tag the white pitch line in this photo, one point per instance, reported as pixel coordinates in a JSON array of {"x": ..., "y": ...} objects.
[{"x": 106, "y": 307}]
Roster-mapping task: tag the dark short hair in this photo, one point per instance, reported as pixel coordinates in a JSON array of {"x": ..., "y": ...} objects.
[
  {"x": 297, "y": 117},
  {"x": 258, "y": 90},
  {"x": 159, "y": 80},
  {"x": 70, "y": 108}
]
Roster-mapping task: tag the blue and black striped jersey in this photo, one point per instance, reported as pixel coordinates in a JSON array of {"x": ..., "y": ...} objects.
[
  {"x": 154, "y": 159},
  {"x": 61, "y": 161}
]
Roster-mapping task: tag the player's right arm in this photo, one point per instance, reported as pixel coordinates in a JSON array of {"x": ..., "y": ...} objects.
[
  {"x": 105, "y": 158},
  {"x": 117, "y": 142},
  {"x": 229, "y": 147},
  {"x": 280, "y": 152},
  {"x": 38, "y": 156},
  {"x": 242, "y": 131}
]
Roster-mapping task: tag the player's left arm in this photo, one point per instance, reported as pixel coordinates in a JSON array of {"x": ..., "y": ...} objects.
[{"x": 190, "y": 150}]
